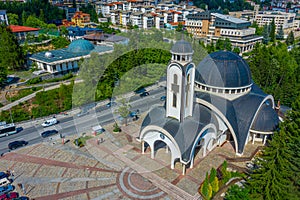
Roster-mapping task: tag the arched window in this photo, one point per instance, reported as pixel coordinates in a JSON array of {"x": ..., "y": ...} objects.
[
  {"x": 175, "y": 90},
  {"x": 187, "y": 90}
]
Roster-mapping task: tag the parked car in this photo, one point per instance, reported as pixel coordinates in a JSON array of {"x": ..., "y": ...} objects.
[
  {"x": 48, "y": 133},
  {"x": 144, "y": 94},
  {"x": 3, "y": 175},
  {"x": 50, "y": 122},
  {"x": 163, "y": 98},
  {"x": 4, "y": 181},
  {"x": 17, "y": 144},
  {"x": 10, "y": 196},
  {"x": 6, "y": 189}
]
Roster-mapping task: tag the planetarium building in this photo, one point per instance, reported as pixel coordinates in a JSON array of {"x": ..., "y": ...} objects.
[{"x": 206, "y": 106}]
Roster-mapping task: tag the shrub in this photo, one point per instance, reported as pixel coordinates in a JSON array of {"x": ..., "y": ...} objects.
[
  {"x": 215, "y": 185},
  {"x": 34, "y": 81},
  {"x": 116, "y": 128},
  {"x": 210, "y": 191},
  {"x": 213, "y": 175},
  {"x": 205, "y": 188}
]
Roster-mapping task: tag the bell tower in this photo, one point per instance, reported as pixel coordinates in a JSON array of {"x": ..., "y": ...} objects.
[{"x": 180, "y": 81}]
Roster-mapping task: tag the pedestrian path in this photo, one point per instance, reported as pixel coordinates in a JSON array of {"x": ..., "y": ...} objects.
[{"x": 161, "y": 183}]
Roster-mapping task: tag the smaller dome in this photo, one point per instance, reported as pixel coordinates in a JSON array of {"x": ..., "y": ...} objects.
[
  {"x": 48, "y": 54},
  {"x": 81, "y": 45},
  {"x": 266, "y": 120},
  {"x": 182, "y": 47}
]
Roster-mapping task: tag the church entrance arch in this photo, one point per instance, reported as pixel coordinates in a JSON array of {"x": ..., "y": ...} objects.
[
  {"x": 204, "y": 141},
  {"x": 156, "y": 140}
]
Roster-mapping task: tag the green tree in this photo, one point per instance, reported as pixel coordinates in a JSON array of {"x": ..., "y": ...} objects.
[
  {"x": 179, "y": 27},
  {"x": 236, "y": 50},
  {"x": 42, "y": 16},
  {"x": 10, "y": 51},
  {"x": 13, "y": 18},
  {"x": 205, "y": 187},
  {"x": 123, "y": 110},
  {"x": 213, "y": 174},
  {"x": 60, "y": 42},
  {"x": 266, "y": 34},
  {"x": 237, "y": 193},
  {"x": 272, "y": 31},
  {"x": 32, "y": 21},
  {"x": 223, "y": 44},
  {"x": 63, "y": 31},
  {"x": 24, "y": 17},
  {"x": 290, "y": 38},
  {"x": 272, "y": 180},
  {"x": 215, "y": 185},
  {"x": 280, "y": 35}
]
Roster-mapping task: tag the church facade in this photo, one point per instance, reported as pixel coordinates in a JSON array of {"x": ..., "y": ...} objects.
[{"x": 206, "y": 106}]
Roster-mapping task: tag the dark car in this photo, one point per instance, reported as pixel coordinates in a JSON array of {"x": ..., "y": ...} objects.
[
  {"x": 110, "y": 104},
  {"x": 17, "y": 144},
  {"x": 3, "y": 175},
  {"x": 163, "y": 98},
  {"x": 144, "y": 94},
  {"x": 49, "y": 133}
]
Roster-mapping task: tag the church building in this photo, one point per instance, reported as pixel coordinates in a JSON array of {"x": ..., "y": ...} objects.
[{"x": 206, "y": 106}]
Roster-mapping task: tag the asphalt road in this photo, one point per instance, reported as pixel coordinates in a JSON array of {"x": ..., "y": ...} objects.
[{"x": 71, "y": 125}]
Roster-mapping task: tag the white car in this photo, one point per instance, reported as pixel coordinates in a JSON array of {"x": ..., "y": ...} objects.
[{"x": 49, "y": 122}]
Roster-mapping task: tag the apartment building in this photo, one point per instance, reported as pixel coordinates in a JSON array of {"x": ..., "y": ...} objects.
[
  {"x": 81, "y": 19},
  {"x": 286, "y": 20},
  {"x": 3, "y": 17},
  {"x": 213, "y": 26}
]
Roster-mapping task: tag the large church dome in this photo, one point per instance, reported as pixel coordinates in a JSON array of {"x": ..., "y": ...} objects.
[
  {"x": 182, "y": 47},
  {"x": 223, "y": 69},
  {"x": 81, "y": 45}
]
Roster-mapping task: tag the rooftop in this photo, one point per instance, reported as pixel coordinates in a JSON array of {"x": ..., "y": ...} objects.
[
  {"x": 17, "y": 29},
  {"x": 230, "y": 18}
]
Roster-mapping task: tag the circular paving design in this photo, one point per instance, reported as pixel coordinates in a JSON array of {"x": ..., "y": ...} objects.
[{"x": 134, "y": 186}]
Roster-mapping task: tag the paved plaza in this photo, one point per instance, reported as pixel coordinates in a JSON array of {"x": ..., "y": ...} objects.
[{"x": 113, "y": 169}]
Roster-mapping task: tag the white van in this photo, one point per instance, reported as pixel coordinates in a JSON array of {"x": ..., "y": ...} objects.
[
  {"x": 49, "y": 122},
  {"x": 4, "y": 182}
]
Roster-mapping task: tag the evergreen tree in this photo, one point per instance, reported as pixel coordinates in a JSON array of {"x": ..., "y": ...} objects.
[
  {"x": 24, "y": 17},
  {"x": 215, "y": 185},
  {"x": 237, "y": 193},
  {"x": 213, "y": 174},
  {"x": 280, "y": 35},
  {"x": 266, "y": 34},
  {"x": 290, "y": 38},
  {"x": 210, "y": 191},
  {"x": 236, "y": 50},
  {"x": 205, "y": 188},
  {"x": 272, "y": 180},
  {"x": 272, "y": 31},
  {"x": 11, "y": 56}
]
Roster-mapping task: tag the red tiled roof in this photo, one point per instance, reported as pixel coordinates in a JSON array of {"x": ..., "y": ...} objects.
[
  {"x": 17, "y": 29},
  {"x": 176, "y": 23}
]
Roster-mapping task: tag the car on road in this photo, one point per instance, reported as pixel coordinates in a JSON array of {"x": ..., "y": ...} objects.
[
  {"x": 111, "y": 104},
  {"x": 50, "y": 122},
  {"x": 82, "y": 114},
  {"x": 10, "y": 196},
  {"x": 6, "y": 189},
  {"x": 163, "y": 98},
  {"x": 17, "y": 144},
  {"x": 48, "y": 133},
  {"x": 144, "y": 94}
]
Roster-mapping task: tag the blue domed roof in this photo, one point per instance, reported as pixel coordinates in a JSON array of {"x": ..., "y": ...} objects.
[
  {"x": 266, "y": 120},
  {"x": 223, "y": 69},
  {"x": 182, "y": 47},
  {"x": 81, "y": 45}
]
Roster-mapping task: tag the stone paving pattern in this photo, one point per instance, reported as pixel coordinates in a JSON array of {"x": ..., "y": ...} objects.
[{"x": 114, "y": 169}]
